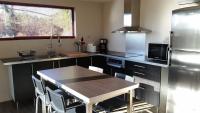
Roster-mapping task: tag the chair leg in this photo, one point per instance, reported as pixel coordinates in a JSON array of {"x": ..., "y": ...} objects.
[
  {"x": 49, "y": 109},
  {"x": 36, "y": 104},
  {"x": 17, "y": 104},
  {"x": 43, "y": 107}
]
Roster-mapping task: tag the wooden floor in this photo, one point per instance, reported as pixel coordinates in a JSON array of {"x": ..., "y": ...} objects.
[{"x": 10, "y": 107}]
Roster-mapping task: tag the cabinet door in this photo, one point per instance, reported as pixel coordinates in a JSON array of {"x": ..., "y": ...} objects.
[
  {"x": 100, "y": 61},
  {"x": 56, "y": 64},
  {"x": 68, "y": 62},
  {"x": 146, "y": 93},
  {"x": 42, "y": 66},
  {"x": 84, "y": 62},
  {"x": 22, "y": 81}
]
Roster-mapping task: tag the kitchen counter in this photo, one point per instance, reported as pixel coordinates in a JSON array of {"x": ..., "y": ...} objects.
[
  {"x": 139, "y": 59},
  {"x": 19, "y": 60}
]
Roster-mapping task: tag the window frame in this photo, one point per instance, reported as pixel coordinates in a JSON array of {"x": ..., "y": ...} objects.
[{"x": 41, "y": 37}]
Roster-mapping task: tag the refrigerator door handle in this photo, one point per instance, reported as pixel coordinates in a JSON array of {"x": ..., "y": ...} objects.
[
  {"x": 171, "y": 37},
  {"x": 170, "y": 47},
  {"x": 186, "y": 68}
]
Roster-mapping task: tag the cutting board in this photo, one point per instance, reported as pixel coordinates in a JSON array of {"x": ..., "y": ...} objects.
[{"x": 76, "y": 54}]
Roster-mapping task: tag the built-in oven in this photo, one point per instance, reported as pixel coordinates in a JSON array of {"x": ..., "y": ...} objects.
[{"x": 115, "y": 62}]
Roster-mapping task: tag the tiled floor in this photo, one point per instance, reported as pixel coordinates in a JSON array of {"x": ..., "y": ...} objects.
[{"x": 10, "y": 107}]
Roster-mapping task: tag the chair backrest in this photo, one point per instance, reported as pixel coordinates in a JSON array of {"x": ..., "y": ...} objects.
[
  {"x": 39, "y": 86},
  {"x": 124, "y": 76},
  {"x": 57, "y": 101},
  {"x": 97, "y": 69},
  {"x": 129, "y": 78}
]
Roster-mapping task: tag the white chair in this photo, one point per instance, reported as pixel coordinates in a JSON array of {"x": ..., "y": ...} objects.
[
  {"x": 125, "y": 77},
  {"x": 58, "y": 103},
  {"x": 97, "y": 69},
  {"x": 40, "y": 93}
]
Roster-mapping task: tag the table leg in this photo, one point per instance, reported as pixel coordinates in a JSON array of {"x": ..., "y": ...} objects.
[
  {"x": 44, "y": 107},
  {"x": 130, "y": 102},
  {"x": 88, "y": 108}
]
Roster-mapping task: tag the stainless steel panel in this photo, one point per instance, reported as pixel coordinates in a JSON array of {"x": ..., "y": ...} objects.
[
  {"x": 135, "y": 43},
  {"x": 184, "y": 82},
  {"x": 183, "y": 91},
  {"x": 187, "y": 1},
  {"x": 186, "y": 30},
  {"x": 185, "y": 59}
]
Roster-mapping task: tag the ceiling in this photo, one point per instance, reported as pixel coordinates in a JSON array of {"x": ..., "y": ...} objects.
[{"x": 98, "y": 0}]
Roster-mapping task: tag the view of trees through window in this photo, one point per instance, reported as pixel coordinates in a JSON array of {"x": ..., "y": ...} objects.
[{"x": 30, "y": 21}]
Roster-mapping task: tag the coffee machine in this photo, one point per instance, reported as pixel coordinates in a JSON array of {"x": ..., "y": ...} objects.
[{"x": 103, "y": 46}]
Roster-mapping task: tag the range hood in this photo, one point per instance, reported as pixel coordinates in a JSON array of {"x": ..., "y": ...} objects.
[{"x": 132, "y": 18}]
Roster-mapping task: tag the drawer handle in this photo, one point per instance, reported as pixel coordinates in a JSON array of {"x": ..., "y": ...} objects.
[
  {"x": 115, "y": 65},
  {"x": 141, "y": 88},
  {"x": 139, "y": 66},
  {"x": 139, "y": 73}
]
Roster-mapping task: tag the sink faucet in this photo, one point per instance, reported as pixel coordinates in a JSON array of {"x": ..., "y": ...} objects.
[{"x": 52, "y": 52}]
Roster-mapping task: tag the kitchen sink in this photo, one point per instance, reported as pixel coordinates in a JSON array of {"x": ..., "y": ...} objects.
[{"x": 43, "y": 57}]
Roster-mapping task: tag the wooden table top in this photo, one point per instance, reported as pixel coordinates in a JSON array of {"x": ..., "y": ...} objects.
[{"x": 86, "y": 84}]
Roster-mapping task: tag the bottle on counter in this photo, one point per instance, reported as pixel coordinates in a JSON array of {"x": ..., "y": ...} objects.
[{"x": 80, "y": 45}]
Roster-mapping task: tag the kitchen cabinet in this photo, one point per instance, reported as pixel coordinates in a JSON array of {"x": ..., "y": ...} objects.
[
  {"x": 84, "y": 61},
  {"x": 100, "y": 61},
  {"x": 42, "y": 66},
  {"x": 67, "y": 62},
  {"x": 21, "y": 83},
  {"x": 22, "y": 86},
  {"x": 116, "y": 70},
  {"x": 56, "y": 64},
  {"x": 20, "y": 76},
  {"x": 146, "y": 93},
  {"x": 146, "y": 71},
  {"x": 149, "y": 72}
]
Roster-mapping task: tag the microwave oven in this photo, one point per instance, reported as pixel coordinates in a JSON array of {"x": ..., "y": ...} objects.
[{"x": 158, "y": 51}]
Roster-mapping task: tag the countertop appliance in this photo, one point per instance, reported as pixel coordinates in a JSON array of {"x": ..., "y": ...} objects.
[
  {"x": 103, "y": 46},
  {"x": 158, "y": 51},
  {"x": 184, "y": 69},
  {"x": 91, "y": 48}
]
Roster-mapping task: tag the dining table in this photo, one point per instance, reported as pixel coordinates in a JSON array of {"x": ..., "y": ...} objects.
[{"x": 89, "y": 86}]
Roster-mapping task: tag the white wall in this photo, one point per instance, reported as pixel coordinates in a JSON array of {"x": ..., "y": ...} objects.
[
  {"x": 113, "y": 19},
  {"x": 89, "y": 25}
]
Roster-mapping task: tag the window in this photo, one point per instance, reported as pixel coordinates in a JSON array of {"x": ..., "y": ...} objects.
[{"x": 27, "y": 21}]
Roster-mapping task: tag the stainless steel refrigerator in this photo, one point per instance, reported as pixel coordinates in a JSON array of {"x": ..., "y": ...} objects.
[{"x": 184, "y": 69}]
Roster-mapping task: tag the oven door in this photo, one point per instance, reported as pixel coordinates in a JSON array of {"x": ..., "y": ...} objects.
[{"x": 115, "y": 62}]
